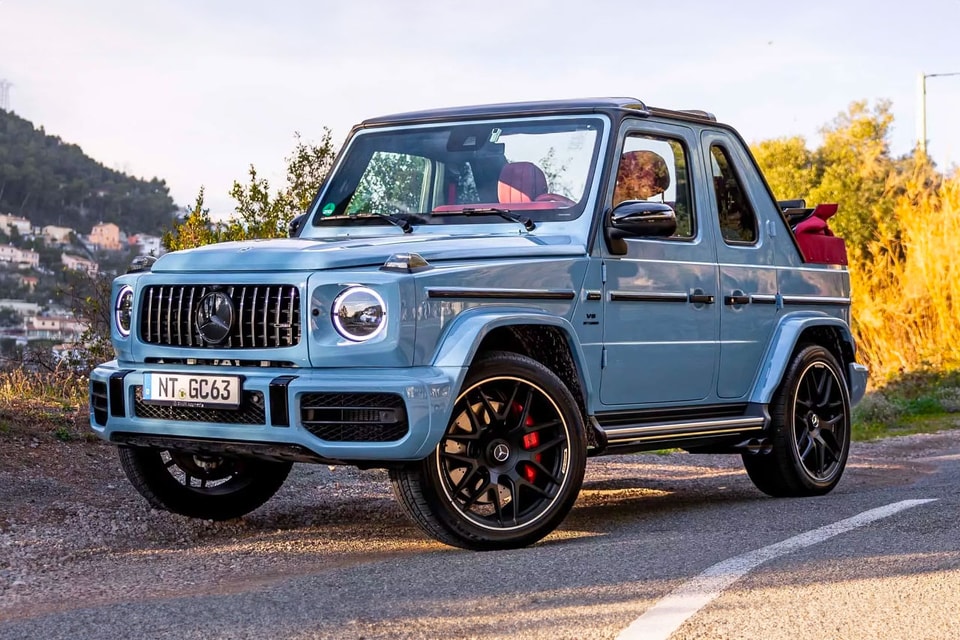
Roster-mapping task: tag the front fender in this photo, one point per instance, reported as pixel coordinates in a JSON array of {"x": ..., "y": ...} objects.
[
  {"x": 781, "y": 348},
  {"x": 462, "y": 339}
]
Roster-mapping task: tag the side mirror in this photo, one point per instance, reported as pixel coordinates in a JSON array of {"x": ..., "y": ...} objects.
[
  {"x": 293, "y": 228},
  {"x": 639, "y": 219}
]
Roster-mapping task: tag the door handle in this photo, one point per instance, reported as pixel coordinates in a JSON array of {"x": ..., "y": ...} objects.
[
  {"x": 737, "y": 297},
  {"x": 699, "y": 297}
]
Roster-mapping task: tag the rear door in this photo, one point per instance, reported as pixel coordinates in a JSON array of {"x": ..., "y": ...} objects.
[{"x": 747, "y": 298}]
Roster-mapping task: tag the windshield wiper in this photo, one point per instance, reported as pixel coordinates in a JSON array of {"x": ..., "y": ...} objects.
[
  {"x": 401, "y": 220},
  {"x": 398, "y": 219},
  {"x": 527, "y": 223}
]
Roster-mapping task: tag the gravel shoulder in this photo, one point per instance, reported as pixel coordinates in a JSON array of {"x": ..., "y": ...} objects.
[{"x": 73, "y": 532}]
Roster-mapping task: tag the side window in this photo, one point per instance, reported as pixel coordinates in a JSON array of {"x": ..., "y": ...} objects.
[
  {"x": 392, "y": 183},
  {"x": 655, "y": 169},
  {"x": 738, "y": 222}
]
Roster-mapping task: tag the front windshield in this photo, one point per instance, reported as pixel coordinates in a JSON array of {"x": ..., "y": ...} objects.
[{"x": 438, "y": 174}]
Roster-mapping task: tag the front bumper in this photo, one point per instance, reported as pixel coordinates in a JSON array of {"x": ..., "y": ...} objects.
[{"x": 275, "y": 420}]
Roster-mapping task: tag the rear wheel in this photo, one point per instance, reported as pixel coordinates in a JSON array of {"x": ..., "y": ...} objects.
[
  {"x": 810, "y": 416},
  {"x": 511, "y": 463},
  {"x": 200, "y": 486}
]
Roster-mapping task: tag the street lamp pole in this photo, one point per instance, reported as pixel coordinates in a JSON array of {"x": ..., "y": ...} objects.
[{"x": 922, "y": 123}]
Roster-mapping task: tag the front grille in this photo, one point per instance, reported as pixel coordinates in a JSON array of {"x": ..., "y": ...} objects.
[
  {"x": 251, "y": 411},
  {"x": 266, "y": 316},
  {"x": 98, "y": 401},
  {"x": 354, "y": 417}
]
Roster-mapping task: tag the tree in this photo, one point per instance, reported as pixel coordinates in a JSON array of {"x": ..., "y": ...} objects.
[
  {"x": 259, "y": 212},
  {"x": 195, "y": 230},
  {"x": 789, "y": 167},
  {"x": 857, "y": 167}
]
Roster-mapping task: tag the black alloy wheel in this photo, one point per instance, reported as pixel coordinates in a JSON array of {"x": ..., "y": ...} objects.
[
  {"x": 510, "y": 465},
  {"x": 202, "y": 486},
  {"x": 821, "y": 430},
  {"x": 810, "y": 429}
]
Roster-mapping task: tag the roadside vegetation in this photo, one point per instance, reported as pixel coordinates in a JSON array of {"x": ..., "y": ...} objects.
[{"x": 900, "y": 217}]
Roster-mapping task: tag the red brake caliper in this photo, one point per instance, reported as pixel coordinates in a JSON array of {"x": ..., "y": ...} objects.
[{"x": 530, "y": 441}]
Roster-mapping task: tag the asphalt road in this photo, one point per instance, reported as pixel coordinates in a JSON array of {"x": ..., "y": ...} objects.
[{"x": 644, "y": 527}]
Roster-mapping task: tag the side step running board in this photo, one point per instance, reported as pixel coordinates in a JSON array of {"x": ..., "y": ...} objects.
[{"x": 628, "y": 434}]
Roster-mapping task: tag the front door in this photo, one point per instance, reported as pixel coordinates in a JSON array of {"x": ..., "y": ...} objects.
[{"x": 661, "y": 312}]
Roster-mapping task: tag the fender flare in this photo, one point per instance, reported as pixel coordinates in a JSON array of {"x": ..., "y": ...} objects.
[
  {"x": 782, "y": 345},
  {"x": 462, "y": 339}
]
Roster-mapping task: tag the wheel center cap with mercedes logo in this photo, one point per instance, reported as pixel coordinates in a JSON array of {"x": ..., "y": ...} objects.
[
  {"x": 215, "y": 317},
  {"x": 501, "y": 452}
]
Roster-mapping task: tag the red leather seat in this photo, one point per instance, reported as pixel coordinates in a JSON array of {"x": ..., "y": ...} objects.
[
  {"x": 817, "y": 242},
  {"x": 521, "y": 182}
]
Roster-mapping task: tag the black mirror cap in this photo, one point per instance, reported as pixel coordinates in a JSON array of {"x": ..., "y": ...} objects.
[
  {"x": 141, "y": 264},
  {"x": 639, "y": 219},
  {"x": 293, "y": 228}
]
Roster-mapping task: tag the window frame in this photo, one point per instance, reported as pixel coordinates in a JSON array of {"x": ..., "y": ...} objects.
[
  {"x": 743, "y": 193},
  {"x": 667, "y": 138}
]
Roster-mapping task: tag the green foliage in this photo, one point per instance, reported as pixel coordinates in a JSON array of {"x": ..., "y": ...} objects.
[
  {"x": 856, "y": 162},
  {"x": 53, "y": 182},
  {"x": 196, "y": 229},
  {"x": 788, "y": 166},
  {"x": 259, "y": 212},
  {"x": 88, "y": 297},
  {"x": 852, "y": 167},
  {"x": 921, "y": 401}
]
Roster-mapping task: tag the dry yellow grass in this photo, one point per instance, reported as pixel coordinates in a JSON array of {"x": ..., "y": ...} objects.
[
  {"x": 907, "y": 296},
  {"x": 59, "y": 386},
  {"x": 43, "y": 404}
]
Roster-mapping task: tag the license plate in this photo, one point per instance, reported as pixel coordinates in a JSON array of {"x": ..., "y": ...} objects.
[{"x": 214, "y": 392}]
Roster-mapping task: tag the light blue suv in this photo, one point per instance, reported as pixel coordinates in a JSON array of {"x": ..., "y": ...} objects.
[{"x": 478, "y": 300}]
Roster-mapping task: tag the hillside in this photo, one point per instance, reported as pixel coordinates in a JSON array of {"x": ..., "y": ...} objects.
[{"x": 51, "y": 181}]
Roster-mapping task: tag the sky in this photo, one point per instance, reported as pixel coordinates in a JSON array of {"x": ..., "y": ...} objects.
[{"x": 195, "y": 91}]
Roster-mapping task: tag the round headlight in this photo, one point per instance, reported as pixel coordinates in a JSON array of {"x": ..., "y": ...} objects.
[
  {"x": 359, "y": 314},
  {"x": 123, "y": 310}
]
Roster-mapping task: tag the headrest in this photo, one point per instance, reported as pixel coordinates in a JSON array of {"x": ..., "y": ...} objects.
[
  {"x": 642, "y": 175},
  {"x": 521, "y": 182}
]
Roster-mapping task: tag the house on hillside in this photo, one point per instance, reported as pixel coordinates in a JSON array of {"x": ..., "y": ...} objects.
[
  {"x": 50, "y": 327},
  {"x": 106, "y": 237},
  {"x": 8, "y": 222},
  {"x": 56, "y": 236},
  {"x": 148, "y": 245},
  {"x": 28, "y": 282},
  {"x": 22, "y": 307},
  {"x": 23, "y": 258},
  {"x": 76, "y": 263}
]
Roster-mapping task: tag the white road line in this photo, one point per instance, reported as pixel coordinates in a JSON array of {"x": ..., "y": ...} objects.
[{"x": 666, "y": 616}]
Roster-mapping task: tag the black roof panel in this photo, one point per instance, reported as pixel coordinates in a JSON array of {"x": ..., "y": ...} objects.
[{"x": 511, "y": 108}]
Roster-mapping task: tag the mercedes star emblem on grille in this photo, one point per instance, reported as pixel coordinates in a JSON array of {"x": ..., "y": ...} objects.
[{"x": 215, "y": 317}]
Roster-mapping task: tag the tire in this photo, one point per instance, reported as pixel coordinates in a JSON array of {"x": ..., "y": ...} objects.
[
  {"x": 208, "y": 487},
  {"x": 810, "y": 428},
  {"x": 510, "y": 465}
]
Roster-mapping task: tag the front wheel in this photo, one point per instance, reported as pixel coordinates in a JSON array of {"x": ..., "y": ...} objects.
[
  {"x": 810, "y": 415},
  {"x": 201, "y": 486},
  {"x": 510, "y": 465}
]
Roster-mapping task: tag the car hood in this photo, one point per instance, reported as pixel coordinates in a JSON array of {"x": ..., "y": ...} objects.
[{"x": 309, "y": 254}]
